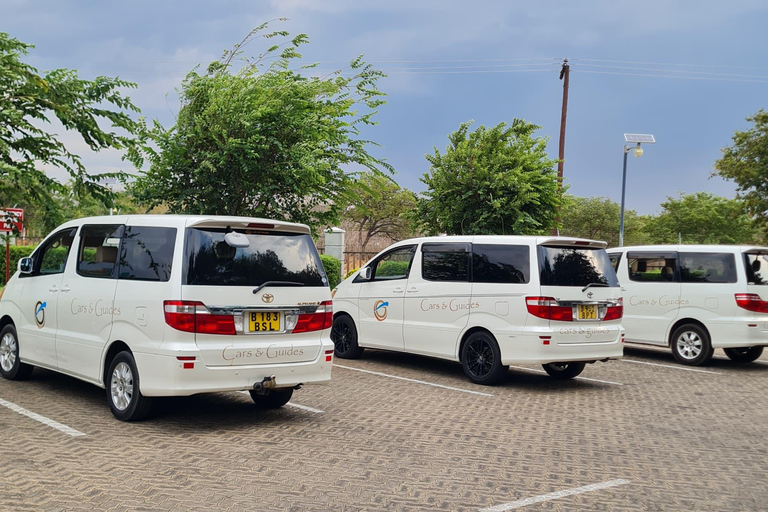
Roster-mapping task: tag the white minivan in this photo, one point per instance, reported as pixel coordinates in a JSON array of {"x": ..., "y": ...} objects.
[
  {"x": 695, "y": 298},
  {"x": 171, "y": 305},
  {"x": 486, "y": 301}
]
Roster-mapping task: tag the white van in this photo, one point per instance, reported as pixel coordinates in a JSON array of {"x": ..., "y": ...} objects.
[
  {"x": 695, "y": 298},
  {"x": 166, "y": 305},
  {"x": 486, "y": 301}
]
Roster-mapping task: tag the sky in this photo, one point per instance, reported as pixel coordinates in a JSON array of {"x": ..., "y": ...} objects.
[{"x": 688, "y": 72}]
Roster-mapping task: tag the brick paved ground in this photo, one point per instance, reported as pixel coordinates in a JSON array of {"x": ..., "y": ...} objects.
[{"x": 686, "y": 441}]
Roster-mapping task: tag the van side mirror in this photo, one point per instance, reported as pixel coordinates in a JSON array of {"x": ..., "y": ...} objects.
[
  {"x": 25, "y": 266},
  {"x": 365, "y": 274}
]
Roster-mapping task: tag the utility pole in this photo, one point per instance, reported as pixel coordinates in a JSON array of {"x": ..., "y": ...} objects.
[{"x": 564, "y": 72}]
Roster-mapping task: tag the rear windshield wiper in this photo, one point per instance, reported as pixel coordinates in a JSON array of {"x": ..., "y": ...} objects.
[
  {"x": 276, "y": 283},
  {"x": 591, "y": 284}
]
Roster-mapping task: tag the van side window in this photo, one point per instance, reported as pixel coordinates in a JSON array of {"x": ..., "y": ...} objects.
[
  {"x": 394, "y": 265},
  {"x": 702, "y": 267},
  {"x": 147, "y": 253},
  {"x": 445, "y": 262},
  {"x": 615, "y": 259},
  {"x": 97, "y": 256},
  {"x": 757, "y": 268},
  {"x": 52, "y": 257},
  {"x": 656, "y": 267},
  {"x": 501, "y": 263}
]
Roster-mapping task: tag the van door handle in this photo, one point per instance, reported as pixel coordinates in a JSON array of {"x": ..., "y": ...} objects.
[
  {"x": 412, "y": 289},
  {"x": 65, "y": 288},
  {"x": 53, "y": 289},
  {"x": 623, "y": 289},
  {"x": 398, "y": 290}
]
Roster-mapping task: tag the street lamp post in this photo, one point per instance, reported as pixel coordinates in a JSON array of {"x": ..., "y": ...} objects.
[{"x": 633, "y": 138}]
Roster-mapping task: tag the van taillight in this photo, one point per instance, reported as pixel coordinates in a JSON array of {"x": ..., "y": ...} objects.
[
  {"x": 321, "y": 319},
  {"x": 193, "y": 316},
  {"x": 751, "y": 302},
  {"x": 615, "y": 311},
  {"x": 549, "y": 309}
]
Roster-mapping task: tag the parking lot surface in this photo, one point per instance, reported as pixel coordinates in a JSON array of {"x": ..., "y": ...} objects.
[{"x": 402, "y": 432}]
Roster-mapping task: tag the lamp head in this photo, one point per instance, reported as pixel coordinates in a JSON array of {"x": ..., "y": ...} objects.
[{"x": 638, "y": 151}]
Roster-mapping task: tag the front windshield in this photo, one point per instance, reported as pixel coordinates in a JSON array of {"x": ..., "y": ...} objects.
[{"x": 575, "y": 266}]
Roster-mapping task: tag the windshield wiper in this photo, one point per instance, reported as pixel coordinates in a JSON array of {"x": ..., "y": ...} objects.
[
  {"x": 594, "y": 284},
  {"x": 276, "y": 283}
]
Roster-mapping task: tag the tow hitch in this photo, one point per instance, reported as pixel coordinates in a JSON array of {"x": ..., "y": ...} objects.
[{"x": 266, "y": 384}]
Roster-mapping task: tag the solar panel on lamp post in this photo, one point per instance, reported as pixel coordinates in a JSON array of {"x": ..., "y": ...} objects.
[{"x": 631, "y": 138}]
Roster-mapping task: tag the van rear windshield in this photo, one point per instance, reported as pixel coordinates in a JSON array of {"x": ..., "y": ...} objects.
[
  {"x": 757, "y": 268},
  {"x": 210, "y": 261},
  {"x": 575, "y": 266}
]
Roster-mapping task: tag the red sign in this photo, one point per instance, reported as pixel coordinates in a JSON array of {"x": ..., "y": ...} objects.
[{"x": 15, "y": 215}]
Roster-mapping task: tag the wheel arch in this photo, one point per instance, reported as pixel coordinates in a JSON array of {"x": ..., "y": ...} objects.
[
  {"x": 115, "y": 348},
  {"x": 6, "y": 320},
  {"x": 682, "y": 322},
  {"x": 469, "y": 332}
]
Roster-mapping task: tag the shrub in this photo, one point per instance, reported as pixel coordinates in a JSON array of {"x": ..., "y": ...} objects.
[
  {"x": 392, "y": 268},
  {"x": 351, "y": 272},
  {"x": 332, "y": 269},
  {"x": 17, "y": 252}
]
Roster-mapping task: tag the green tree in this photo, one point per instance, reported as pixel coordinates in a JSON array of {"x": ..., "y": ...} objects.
[
  {"x": 264, "y": 140},
  {"x": 28, "y": 100},
  {"x": 701, "y": 218},
  {"x": 491, "y": 181},
  {"x": 746, "y": 163},
  {"x": 598, "y": 218},
  {"x": 380, "y": 207}
]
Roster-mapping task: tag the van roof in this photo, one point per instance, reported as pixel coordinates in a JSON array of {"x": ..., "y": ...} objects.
[
  {"x": 488, "y": 239},
  {"x": 692, "y": 248},
  {"x": 182, "y": 221}
]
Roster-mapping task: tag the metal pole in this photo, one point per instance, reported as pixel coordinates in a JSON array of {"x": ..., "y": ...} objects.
[
  {"x": 623, "y": 189},
  {"x": 564, "y": 76}
]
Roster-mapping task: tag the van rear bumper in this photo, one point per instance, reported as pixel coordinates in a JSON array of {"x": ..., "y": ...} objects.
[
  {"x": 531, "y": 350},
  {"x": 741, "y": 333},
  {"x": 164, "y": 375}
]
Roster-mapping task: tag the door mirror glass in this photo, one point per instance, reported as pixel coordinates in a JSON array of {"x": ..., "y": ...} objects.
[{"x": 25, "y": 265}]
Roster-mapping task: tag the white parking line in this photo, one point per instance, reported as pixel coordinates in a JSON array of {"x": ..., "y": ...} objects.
[
  {"x": 670, "y": 366},
  {"x": 297, "y": 406},
  {"x": 575, "y": 378},
  {"x": 555, "y": 495},
  {"x": 42, "y": 419},
  {"x": 412, "y": 380}
]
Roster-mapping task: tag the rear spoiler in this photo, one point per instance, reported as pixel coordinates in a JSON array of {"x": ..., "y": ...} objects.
[
  {"x": 247, "y": 223},
  {"x": 573, "y": 242}
]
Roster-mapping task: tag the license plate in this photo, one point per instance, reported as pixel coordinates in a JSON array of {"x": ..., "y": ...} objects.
[
  {"x": 587, "y": 311},
  {"x": 264, "y": 321}
]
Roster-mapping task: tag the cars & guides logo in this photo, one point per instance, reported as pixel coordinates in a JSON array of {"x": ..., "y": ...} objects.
[
  {"x": 380, "y": 310},
  {"x": 40, "y": 314}
]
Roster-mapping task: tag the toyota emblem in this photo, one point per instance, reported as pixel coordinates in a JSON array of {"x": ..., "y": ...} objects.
[
  {"x": 589, "y": 295},
  {"x": 267, "y": 297}
]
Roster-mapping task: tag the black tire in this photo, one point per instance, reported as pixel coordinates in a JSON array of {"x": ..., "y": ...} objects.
[
  {"x": 564, "y": 371},
  {"x": 272, "y": 398},
  {"x": 744, "y": 354},
  {"x": 11, "y": 366},
  {"x": 481, "y": 359},
  {"x": 690, "y": 345},
  {"x": 123, "y": 392},
  {"x": 344, "y": 336}
]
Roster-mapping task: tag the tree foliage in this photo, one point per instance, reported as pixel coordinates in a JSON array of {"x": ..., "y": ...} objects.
[
  {"x": 264, "y": 140},
  {"x": 28, "y": 100},
  {"x": 379, "y": 207},
  {"x": 746, "y": 163},
  {"x": 701, "y": 218},
  {"x": 491, "y": 181},
  {"x": 598, "y": 218}
]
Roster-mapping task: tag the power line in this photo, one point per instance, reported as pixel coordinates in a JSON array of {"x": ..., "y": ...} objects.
[
  {"x": 701, "y": 78},
  {"x": 670, "y": 64},
  {"x": 709, "y": 73}
]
